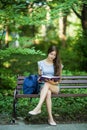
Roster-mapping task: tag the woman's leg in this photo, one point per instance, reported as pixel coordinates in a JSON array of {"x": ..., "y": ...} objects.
[
  {"x": 49, "y": 108},
  {"x": 43, "y": 94},
  {"x": 47, "y": 86},
  {"x": 54, "y": 88}
]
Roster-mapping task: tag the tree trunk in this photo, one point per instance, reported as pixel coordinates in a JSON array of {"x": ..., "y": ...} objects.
[
  {"x": 62, "y": 30},
  {"x": 84, "y": 19}
]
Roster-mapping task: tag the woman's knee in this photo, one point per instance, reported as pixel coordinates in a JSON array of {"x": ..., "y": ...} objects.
[
  {"x": 48, "y": 94},
  {"x": 46, "y": 84}
]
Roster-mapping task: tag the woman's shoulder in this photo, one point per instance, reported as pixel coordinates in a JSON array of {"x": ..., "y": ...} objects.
[{"x": 41, "y": 62}]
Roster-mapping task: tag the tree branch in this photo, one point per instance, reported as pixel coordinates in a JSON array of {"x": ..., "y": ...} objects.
[{"x": 78, "y": 15}]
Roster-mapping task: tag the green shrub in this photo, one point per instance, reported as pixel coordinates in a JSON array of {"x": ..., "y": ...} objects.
[{"x": 17, "y": 61}]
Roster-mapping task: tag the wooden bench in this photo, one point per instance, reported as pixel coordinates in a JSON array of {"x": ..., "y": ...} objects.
[{"x": 67, "y": 82}]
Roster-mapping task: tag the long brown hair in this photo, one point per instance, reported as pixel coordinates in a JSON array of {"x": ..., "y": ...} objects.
[{"x": 57, "y": 61}]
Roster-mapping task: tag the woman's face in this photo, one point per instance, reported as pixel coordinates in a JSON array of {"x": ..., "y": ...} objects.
[{"x": 52, "y": 55}]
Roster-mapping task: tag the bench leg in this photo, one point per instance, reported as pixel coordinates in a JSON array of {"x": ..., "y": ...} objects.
[{"x": 14, "y": 110}]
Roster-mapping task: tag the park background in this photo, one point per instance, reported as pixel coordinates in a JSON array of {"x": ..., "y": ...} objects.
[{"x": 27, "y": 28}]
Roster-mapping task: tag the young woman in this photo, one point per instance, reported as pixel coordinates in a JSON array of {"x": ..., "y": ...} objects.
[{"x": 51, "y": 66}]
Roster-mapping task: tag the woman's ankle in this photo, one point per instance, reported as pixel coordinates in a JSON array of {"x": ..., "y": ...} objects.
[
  {"x": 37, "y": 109},
  {"x": 51, "y": 119}
]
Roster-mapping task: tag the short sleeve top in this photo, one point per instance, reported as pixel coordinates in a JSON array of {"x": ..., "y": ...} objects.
[{"x": 47, "y": 69}]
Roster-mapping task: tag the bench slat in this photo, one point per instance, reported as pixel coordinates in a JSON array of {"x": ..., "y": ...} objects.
[
  {"x": 74, "y": 81},
  {"x": 74, "y": 77},
  {"x": 20, "y": 82},
  {"x": 62, "y": 87},
  {"x": 54, "y": 95},
  {"x": 63, "y": 77},
  {"x": 72, "y": 87}
]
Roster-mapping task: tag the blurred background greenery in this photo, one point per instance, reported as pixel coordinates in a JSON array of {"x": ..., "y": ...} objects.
[{"x": 27, "y": 28}]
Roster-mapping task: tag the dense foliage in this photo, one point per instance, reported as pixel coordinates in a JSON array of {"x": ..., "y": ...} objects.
[
  {"x": 27, "y": 28},
  {"x": 17, "y": 62},
  {"x": 37, "y": 23}
]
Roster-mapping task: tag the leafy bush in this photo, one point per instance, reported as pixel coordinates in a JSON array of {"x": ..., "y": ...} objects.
[
  {"x": 17, "y": 61},
  {"x": 24, "y": 51},
  {"x": 81, "y": 51},
  {"x": 64, "y": 109}
]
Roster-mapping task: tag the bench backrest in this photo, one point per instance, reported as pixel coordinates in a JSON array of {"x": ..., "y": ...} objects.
[
  {"x": 74, "y": 82},
  {"x": 66, "y": 82}
]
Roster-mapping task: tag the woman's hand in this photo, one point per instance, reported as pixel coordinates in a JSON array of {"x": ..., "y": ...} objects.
[{"x": 52, "y": 82}]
